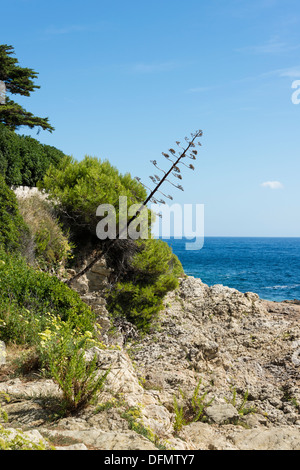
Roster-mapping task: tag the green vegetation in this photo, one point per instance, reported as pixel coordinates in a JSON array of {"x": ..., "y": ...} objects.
[
  {"x": 78, "y": 188},
  {"x": 133, "y": 416},
  {"x": 39, "y": 237},
  {"x": 29, "y": 298},
  {"x": 63, "y": 355},
  {"x": 48, "y": 241},
  {"x": 17, "y": 441},
  {"x": 24, "y": 160},
  {"x": 18, "y": 81},
  {"x": 153, "y": 272},
  {"x": 37, "y": 309},
  {"x": 3, "y": 414},
  {"x": 12, "y": 227},
  {"x": 146, "y": 269},
  {"x": 240, "y": 405},
  {"x": 191, "y": 409}
]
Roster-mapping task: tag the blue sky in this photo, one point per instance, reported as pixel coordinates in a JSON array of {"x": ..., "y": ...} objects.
[{"x": 124, "y": 80}]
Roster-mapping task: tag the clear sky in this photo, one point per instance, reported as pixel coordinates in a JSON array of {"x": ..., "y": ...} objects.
[{"x": 123, "y": 80}]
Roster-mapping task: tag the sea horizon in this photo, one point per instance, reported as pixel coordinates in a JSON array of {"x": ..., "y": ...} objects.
[
  {"x": 267, "y": 266},
  {"x": 224, "y": 236}
]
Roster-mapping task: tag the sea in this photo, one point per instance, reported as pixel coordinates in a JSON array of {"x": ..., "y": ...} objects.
[{"x": 270, "y": 267}]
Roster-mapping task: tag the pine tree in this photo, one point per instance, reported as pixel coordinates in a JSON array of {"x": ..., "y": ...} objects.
[{"x": 17, "y": 80}]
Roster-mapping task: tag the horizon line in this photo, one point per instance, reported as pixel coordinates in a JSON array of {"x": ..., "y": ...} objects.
[{"x": 228, "y": 236}]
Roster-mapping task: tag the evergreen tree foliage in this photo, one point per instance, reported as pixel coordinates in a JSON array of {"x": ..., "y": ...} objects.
[
  {"x": 24, "y": 160},
  {"x": 139, "y": 294},
  {"x": 12, "y": 226},
  {"x": 78, "y": 188},
  {"x": 18, "y": 80}
]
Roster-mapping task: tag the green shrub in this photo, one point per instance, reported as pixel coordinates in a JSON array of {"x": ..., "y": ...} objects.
[
  {"x": 28, "y": 296},
  {"x": 13, "y": 229},
  {"x": 24, "y": 160},
  {"x": 78, "y": 188},
  {"x": 63, "y": 354},
  {"x": 139, "y": 295}
]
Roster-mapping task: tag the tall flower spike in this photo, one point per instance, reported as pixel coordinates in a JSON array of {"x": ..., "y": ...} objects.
[{"x": 166, "y": 155}]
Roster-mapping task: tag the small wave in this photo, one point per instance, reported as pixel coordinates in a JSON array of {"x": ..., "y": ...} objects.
[{"x": 292, "y": 286}]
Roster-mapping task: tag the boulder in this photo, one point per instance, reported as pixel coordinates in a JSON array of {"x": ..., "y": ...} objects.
[{"x": 222, "y": 413}]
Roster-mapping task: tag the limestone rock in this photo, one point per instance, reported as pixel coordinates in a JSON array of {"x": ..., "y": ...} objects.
[
  {"x": 31, "y": 439},
  {"x": 98, "y": 439},
  {"x": 81, "y": 285},
  {"x": 122, "y": 377},
  {"x": 202, "y": 436},
  {"x": 42, "y": 387},
  {"x": 222, "y": 413},
  {"x": 72, "y": 447},
  {"x": 270, "y": 439}
]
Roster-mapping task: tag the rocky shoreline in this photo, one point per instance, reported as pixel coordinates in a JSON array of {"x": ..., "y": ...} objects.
[{"x": 242, "y": 352}]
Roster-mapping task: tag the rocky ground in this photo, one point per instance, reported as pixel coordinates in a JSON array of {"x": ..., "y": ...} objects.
[{"x": 242, "y": 352}]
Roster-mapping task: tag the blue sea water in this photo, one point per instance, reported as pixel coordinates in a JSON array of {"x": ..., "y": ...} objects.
[{"x": 269, "y": 267}]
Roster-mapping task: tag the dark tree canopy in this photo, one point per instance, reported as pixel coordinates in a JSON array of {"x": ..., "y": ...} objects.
[{"x": 18, "y": 81}]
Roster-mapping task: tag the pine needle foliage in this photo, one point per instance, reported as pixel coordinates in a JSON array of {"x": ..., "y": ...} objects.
[
  {"x": 18, "y": 81},
  {"x": 13, "y": 229}
]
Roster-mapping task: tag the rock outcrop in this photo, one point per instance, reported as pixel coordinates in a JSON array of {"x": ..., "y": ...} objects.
[{"x": 241, "y": 354}]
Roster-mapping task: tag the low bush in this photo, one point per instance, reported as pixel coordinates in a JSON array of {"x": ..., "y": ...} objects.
[
  {"x": 13, "y": 229},
  {"x": 78, "y": 188},
  {"x": 138, "y": 296},
  {"x": 62, "y": 353},
  {"x": 24, "y": 160},
  {"x": 28, "y": 296}
]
